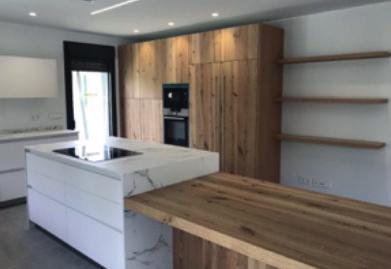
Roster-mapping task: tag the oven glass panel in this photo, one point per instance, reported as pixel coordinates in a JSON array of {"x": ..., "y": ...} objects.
[{"x": 176, "y": 132}]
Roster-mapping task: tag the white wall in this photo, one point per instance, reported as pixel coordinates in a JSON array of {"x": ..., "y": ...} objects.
[
  {"x": 361, "y": 174},
  {"x": 32, "y": 41}
]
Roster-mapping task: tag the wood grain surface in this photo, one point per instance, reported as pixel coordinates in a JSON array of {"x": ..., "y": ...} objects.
[{"x": 283, "y": 227}]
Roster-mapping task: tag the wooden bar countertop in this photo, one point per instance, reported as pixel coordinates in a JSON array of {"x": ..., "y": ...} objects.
[{"x": 280, "y": 226}]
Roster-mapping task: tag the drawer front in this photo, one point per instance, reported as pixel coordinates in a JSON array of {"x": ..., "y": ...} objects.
[
  {"x": 95, "y": 207},
  {"x": 99, "y": 185},
  {"x": 13, "y": 185},
  {"x": 12, "y": 156},
  {"x": 47, "y": 213},
  {"x": 54, "y": 189},
  {"x": 12, "y": 153},
  {"x": 97, "y": 241}
]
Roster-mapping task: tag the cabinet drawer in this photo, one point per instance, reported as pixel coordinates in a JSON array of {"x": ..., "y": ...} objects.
[
  {"x": 13, "y": 185},
  {"x": 97, "y": 241},
  {"x": 52, "y": 188},
  {"x": 95, "y": 207},
  {"x": 99, "y": 185},
  {"x": 12, "y": 156},
  {"x": 47, "y": 213}
]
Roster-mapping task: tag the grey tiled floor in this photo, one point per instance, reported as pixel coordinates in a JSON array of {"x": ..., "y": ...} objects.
[{"x": 24, "y": 248}]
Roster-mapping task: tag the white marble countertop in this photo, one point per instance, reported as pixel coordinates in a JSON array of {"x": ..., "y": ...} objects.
[
  {"x": 9, "y": 137},
  {"x": 153, "y": 155}
]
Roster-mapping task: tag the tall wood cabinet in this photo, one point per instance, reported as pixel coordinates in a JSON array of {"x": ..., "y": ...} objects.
[
  {"x": 234, "y": 79},
  {"x": 144, "y": 67}
]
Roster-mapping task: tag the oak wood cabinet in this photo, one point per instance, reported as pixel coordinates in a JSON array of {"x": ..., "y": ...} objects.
[
  {"x": 233, "y": 109},
  {"x": 242, "y": 42},
  {"x": 234, "y": 79},
  {"x": 205, "y": 47},
  {"x": 205, "y": 106}
]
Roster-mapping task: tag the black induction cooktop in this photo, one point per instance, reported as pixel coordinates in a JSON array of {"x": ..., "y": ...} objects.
[{"x": 96, "y": 153}]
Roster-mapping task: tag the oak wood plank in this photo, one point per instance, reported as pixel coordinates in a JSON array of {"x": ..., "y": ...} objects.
[
  {"x": 332, "y": 100},
  {"x": 342, "y": 142},
  {"x": 271, "y": 224},
  {"x": 337, "y": 57}
]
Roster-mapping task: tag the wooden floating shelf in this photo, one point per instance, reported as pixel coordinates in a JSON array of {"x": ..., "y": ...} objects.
[
  {"x": 337, "y": 57},
  {"x": 333, "y": 100},
  {"x": 352, "y": 143}
]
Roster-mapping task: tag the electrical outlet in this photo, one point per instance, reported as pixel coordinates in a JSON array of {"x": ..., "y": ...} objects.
[
  {"x": 35, "y": 117},
  {"x": 55, "y": 116},
  {"x": 304, "y": 181},
  {"x": 321, "y": 184}
]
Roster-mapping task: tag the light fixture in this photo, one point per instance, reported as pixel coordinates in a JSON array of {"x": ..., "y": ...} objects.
[
  {"x": 33, "y": 14},
  {"x": 96, "y": 12},
  {"x": 136, "y": 31},
  {"x": 171, "y": 23},
  {"x": 215, "y": 14}
]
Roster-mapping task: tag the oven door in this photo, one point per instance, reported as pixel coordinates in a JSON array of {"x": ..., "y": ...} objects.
[{"x": 176, "y": 130}]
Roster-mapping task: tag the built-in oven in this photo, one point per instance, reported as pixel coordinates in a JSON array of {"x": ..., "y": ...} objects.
[
  {"x": 176, "y": 114},
  {"x": 176, "y": 130}
]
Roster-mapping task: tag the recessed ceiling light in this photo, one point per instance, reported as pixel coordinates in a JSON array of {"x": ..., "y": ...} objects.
[
  {"x": 33, "y": 14},
  {"x": 96, "y": 12},
  {"x": 215, "y": 14},
  {"x": 136, "y": 31},
  {"x": 171, "y": 23}
]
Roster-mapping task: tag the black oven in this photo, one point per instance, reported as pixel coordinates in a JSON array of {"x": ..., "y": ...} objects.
[
  {"x": 176, "y": 130},
  {"x": 176, "y": 114}
]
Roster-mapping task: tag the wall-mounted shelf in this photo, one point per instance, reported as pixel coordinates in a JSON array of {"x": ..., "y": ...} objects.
[
  {"x": 352, "y": 143},
  {"x": 337, "y": 57},
  {"x": 333, "y": 100}
]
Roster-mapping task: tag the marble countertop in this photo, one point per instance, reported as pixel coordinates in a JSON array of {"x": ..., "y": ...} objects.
[
  {"x": 9, "y": 137},
  {"x": 153, "y": 155}
]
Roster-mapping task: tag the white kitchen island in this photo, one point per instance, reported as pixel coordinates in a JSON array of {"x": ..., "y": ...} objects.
[{"x": 81, "y": 202}]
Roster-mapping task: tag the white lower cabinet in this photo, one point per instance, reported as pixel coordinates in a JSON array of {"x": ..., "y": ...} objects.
[
  {"x": 13, "y": 185},
  {"x": 97, "y": 241},
  {"x": 47, "y": 213},
  {"x": 79, "y": 214}
]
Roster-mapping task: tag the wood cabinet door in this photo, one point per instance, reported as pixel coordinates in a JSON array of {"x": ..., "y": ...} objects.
[
  {"x": 205, "y": 47},
  {"x": 131, "y": 127},
  {"x": 240, "y": 43},
  {"x": 239, "y": 116},
  {"x": 205, "y": 102},
  {"x": 151, "y": 120},
  {"x": 176, "y": 61},
  {"x": 128, "y": 71},
  {"x": 150, "y": 62}
]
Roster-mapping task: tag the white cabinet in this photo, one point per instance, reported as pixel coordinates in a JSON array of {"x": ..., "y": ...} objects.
[
  {"x": 12, "y": 165},
  {"x": 82, "y": 208},
  {"x": 23, "y": 77},
  {"x": 97, "y": 241},
  {"x": 12, "y": 185},
  {"x": 47, "y": 213}
]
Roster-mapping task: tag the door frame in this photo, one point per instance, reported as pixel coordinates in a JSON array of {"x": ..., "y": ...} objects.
[{"x": 90, "y": 54}]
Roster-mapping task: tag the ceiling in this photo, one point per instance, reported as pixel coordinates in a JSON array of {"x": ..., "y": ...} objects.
[{"x": 151, "y": 16}]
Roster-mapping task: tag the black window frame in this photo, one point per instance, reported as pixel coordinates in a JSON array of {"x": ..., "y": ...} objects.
[{"x": 90, "y": 57}]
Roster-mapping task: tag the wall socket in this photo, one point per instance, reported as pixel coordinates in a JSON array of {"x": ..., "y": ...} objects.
[
  {"x": 314, "y": 183},
  {"x": 35, "y": 117}
]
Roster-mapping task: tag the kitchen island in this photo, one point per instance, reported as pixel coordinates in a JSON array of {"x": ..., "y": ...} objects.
[
  {"x": 81, "y": 201},
  {"x": 225, "y": 221}
]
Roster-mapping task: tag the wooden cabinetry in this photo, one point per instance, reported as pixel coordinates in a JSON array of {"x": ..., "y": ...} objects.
[
  {"x": 233, "y": 101},
  {"x": 205, "y": 102},
  {"x": 241, "y": 43},
  {"x": 205, "y": 47},
  {"x": 234, "y": 79},
  {"x": 240, "y": 93},
  {"x": 144, "y": 67}
]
